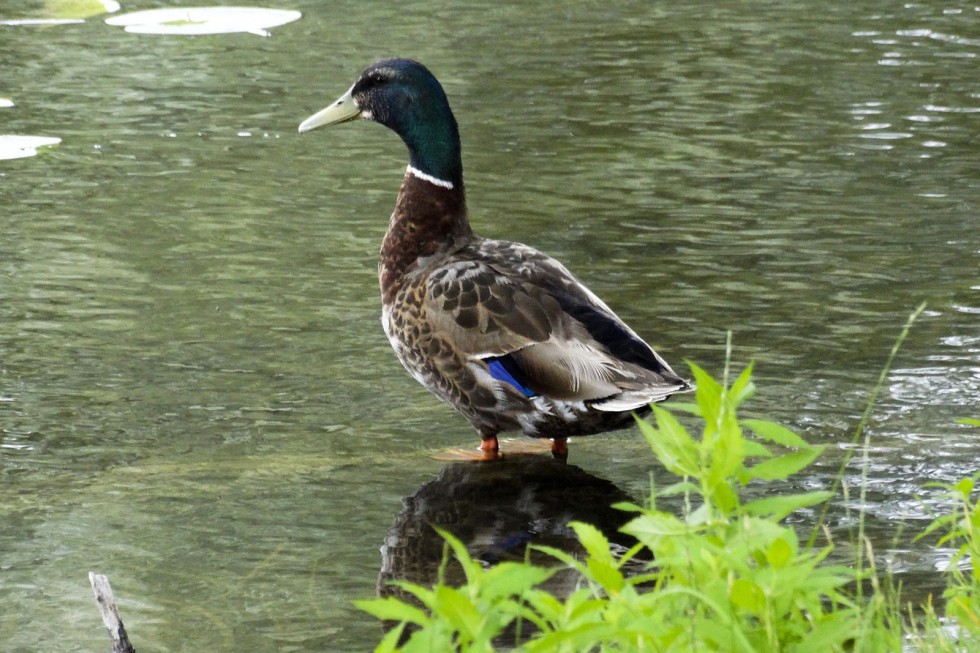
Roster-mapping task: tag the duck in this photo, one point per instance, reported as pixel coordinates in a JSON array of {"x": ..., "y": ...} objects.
[{"x": 498, "y": 330}]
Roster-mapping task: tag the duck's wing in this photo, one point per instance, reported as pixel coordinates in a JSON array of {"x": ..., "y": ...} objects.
[{"x": 533, "y": 323}]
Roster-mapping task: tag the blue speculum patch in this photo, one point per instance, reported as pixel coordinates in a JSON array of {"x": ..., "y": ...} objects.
[{"x": 503, "y": 369}]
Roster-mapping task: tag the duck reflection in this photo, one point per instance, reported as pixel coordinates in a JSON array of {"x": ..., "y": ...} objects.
[{"x": 497, "y": 509}]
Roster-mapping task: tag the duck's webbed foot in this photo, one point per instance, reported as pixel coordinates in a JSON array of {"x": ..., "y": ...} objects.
[{"x": 489, "y": 450}]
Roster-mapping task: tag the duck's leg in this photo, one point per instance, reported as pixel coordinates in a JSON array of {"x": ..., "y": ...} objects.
[
  {"x": 490, "y": 448},
  {"x": 559, "y": 449}
]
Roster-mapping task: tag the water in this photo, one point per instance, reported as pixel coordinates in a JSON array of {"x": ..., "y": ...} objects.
[{"x": 196, "y": 397}]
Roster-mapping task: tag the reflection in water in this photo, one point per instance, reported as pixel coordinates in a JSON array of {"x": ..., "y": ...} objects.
[{"x": 497, "y": 509}]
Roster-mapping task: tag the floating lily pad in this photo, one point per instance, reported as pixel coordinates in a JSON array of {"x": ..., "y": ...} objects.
[
  {"x": 204, "y": 20},
  {"x": 41, "y": 21},
  {"x": 79, "y": 8},
  {"x": 18, "y": 147}
]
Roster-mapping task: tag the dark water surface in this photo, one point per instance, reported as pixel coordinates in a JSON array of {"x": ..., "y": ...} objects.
[{"x": 196, "y": 396}]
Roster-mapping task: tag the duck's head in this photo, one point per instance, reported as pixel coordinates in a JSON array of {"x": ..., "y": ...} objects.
[{"x": 404, "y": 96}]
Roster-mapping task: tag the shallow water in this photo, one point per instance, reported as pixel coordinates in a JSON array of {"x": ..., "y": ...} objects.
[{"x": 196, "y": 397}]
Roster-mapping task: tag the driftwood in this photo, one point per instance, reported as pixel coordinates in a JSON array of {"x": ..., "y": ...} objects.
[{"x": 110, "y": 614}]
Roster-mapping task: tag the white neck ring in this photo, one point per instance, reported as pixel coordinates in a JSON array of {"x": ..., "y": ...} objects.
[{"x": 442, "y": 183}]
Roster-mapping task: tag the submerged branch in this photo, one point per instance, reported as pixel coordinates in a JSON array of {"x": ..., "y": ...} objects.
[{"x": 110, "y": 614}]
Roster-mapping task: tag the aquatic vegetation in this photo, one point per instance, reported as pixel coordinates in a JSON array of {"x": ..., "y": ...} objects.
[
  {"x": 727, "y": 574},
  {"x": 959, "y": 529},
  {"x": 65, "y": 12},
  {"x": 22, "y": 22},
  {"x": 204, "y": 20},
  {"x": 14, "y": 146},
  {"x": 79, "y": 8}
]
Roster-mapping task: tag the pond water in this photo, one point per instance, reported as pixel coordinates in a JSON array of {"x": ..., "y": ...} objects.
[{"x": 197, "y": 399}]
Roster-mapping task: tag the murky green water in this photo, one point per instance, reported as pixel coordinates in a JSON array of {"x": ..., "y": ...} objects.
[{"x": 196, "y": 397}]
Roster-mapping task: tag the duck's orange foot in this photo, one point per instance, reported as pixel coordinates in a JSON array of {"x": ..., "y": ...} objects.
[
  {"x": 511, "y": 447},
  {"x": 460, "y": 455},
  {"x": 489, "y": 450}
]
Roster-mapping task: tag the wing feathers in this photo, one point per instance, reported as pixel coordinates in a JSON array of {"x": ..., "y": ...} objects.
[{"x": 563, "y": 342}]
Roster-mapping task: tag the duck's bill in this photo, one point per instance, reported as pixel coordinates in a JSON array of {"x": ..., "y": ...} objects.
[{"x": 340, "y": 111}]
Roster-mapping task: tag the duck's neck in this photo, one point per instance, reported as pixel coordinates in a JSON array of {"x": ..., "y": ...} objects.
[
  {"x": 431, "y": 135},
  {"x": 429, "y": 218}
]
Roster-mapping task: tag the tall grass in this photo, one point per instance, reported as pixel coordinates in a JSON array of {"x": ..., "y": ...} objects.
[{"x": 727, "y": 574}]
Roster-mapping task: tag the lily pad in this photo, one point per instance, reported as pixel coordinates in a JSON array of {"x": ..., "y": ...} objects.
[
  {"x": 41, "y": 21},
  {"x": 204, "y": 20},
  {"x": 17, "y": 147},
  {"x": 79, "y": 8}
]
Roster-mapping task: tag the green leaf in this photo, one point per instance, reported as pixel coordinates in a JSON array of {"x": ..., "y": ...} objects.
[
  {"x": 452, "y": 605},
  {"x": 595, "y": 543},
  {"x": 389, "y": 643},
  {"x": 722, "y": 497},
  {"x": 747, "y": 595},
  {"x": 839, "y": 632},
  {"x": 779, "y": 553},
  {"x": 656, "y": 524},
  {"x": 512, "y": 579},
  {"x": 969, "y": 421},
  {"x": 626, "y": 506},
  {"x": 776, "y": 433},
  {"x": 707, "y": 394},
  {"x": 778, "y": 507},
  {"x": 753, "y": 449},
  {"x": 545, "y": 605},
  {"x": 425, "y": 595},
  {"x": 743, "y": 388},
  {"x": 757, "y": 534},
  {"x": 688, "y": 407},
  {"x": 784, "y": 466},
  {"x": 725, "y": 453},
  {"x": 606, "y": 575},
  {"x": 471, "y": 568},
  {"x": 392, "y": 609},
  {"x": 671, "y": 443},
  {"x": 562, "y": 556},
  {"x": 964, "y": 486}
]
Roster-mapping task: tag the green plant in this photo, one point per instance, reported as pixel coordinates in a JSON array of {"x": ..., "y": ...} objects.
[
  {"x": 960, "y": 530},
  {"x": 727, "y": 576},
  {"x": 727, "y": 573},
  {"x": 467, "y": 618}
]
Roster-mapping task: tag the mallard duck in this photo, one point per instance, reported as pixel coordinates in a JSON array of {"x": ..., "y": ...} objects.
[{"x": 504, "y": 334}]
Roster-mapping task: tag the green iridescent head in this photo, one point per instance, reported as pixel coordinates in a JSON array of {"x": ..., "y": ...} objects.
[{"x": 404, "y": 96}]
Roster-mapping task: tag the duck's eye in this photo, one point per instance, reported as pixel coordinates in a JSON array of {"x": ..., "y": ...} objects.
[{"x": 370, "y": 81}]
